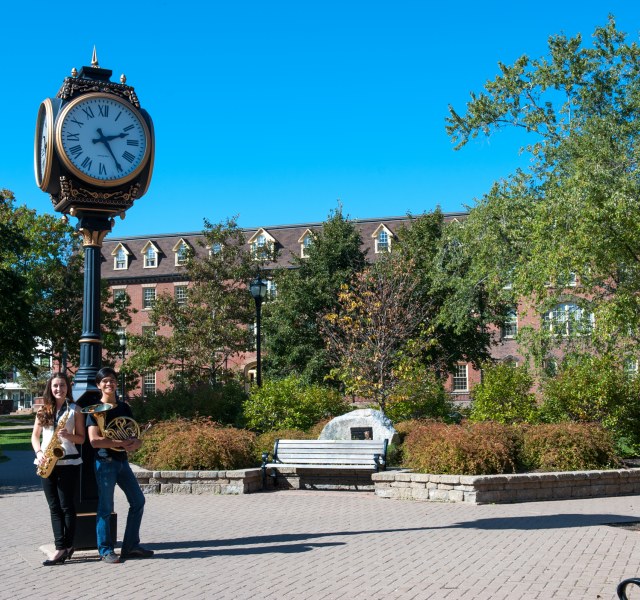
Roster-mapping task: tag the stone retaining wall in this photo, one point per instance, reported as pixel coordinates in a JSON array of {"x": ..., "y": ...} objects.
[
  {"x": 242, "y": 481},
  {"x": 504, "y": 489}
]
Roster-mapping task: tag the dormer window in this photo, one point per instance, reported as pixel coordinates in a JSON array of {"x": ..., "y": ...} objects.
[
  {"x": 305, "y": 241},
  {"x": 150, "y": 255},
  {"x": 181, "y": 250},
  {"x": 215, "y": 248},
  {"x": 262, "y": 245},
  {"x": 382, "y": 236},
  {"x": 120, "y": 258}
]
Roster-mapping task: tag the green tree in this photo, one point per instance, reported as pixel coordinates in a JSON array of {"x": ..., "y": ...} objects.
[
  {"x": 211, "y": 326},
  {"x": 458, "y": 307},
  {"x": 41, "y": 293},
  {"x": 292, "y": 337},
  {"x": 17, "y": 331},
  {"x": 377, "y": 313},
  {"x": 418, "y": 307},
  {"x": 574, "y": 210}
]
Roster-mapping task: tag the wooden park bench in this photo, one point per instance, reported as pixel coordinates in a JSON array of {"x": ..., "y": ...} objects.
[{"x": 365, "y": 455}]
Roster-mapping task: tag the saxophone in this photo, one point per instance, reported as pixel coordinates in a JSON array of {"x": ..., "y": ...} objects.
[{"x": 54, "y": 450}]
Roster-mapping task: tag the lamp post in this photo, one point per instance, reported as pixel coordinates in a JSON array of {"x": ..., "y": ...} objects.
[
  {"x": 258, "y": 289},
  {"x": 123, "y": 349}
]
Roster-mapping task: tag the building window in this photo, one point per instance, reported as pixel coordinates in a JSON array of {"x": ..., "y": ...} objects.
[
  {"x": 120, "y": 259},
  {"x": 119, "y": 295},
  {"x": 180, "y": 294},
  {"x": 460, "y": 379},
  {"x": 182, "y": 254},
  {"x": 216, "y": 248},
  {"x": 150, "y": 258},
  {"x": 306, "y": 244},
  {"x": 568, "y": 318},
  {"x": 510, "y": 327},
  {"x": 252, "y": 329},
  {"x": 382, "y": 242},
  {"x": 272, "y": 291},
  {"x": 148, "y": 331},
  {"x": 148, "y": 297},
  {"x": 149, "y": 383},
  {"x": 631, "y": 367},
  {"x": 260, "y": 247},
  {"x": 550, "y": 367}
]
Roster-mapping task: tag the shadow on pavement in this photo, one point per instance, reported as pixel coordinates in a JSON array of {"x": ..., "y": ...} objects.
[{"x": 18, "y": 474}]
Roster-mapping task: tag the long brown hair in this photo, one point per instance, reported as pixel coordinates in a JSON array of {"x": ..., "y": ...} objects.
[{"x": 46, "y": 415}]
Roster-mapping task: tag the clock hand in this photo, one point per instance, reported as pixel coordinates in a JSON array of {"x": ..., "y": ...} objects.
[
  {"x": 113, "y": 137},
  {"x": 105, "y": 140}
]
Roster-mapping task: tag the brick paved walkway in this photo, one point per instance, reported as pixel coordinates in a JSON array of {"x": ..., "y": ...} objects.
[{"x": 329, "y": 545}]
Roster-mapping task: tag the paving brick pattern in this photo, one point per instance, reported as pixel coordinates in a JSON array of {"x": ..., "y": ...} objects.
[{"x": 329, "y": 545}]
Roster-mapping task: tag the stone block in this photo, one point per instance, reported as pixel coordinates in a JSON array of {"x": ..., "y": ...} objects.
[
  {"x": 439, "y": 495},
  {"x": 420, "y": 477},
  {"x": 150, "y": 488},
  {"x": 456, "y": 496}
]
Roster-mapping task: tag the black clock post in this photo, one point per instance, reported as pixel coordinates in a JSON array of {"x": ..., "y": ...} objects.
[{"x": 94, "y": 153}]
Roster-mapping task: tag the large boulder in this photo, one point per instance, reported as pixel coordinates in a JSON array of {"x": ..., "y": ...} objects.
[{"x": 359, "y": 424}]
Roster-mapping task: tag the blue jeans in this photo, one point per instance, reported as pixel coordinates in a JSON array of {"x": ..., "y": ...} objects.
[{"x": 110, "y": 472}]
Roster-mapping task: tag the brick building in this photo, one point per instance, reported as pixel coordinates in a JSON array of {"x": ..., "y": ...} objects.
[{"x": 146, "y": 266}]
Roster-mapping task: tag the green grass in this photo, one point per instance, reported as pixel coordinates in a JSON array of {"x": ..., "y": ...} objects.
[{"x": 15, "y": 439}]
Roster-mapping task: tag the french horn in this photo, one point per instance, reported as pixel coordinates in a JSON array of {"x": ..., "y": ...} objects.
[{"x": 120, "y": 428}]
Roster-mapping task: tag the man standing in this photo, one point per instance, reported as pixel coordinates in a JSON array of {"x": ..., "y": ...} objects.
[{"x": 111, "y": 468}]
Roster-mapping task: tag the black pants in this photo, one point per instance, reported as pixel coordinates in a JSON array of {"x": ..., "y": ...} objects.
[{"x": 60, "y": 491}]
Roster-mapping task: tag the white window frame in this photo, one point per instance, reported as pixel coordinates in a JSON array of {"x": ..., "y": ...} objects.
[
  {"x": 460, "y": 376},
  {"x": 149, "y": 383},
  {"x": 563, "y": 317},
  {"x": 180, "y": 297},
  {"x": 383, "y": 239},
  {"x": 150, "y": 257},
  {"x": 510, "y": 327},
  {"x": 147, "y": 304},
  {"x": 120, "y": 259}
]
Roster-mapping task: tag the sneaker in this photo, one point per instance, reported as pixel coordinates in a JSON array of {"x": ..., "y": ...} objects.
[
  {"x": 138, "y": 552},
  {"x": 112, "y": 558}
]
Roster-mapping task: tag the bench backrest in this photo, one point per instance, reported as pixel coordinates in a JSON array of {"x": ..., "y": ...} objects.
[{"x": 330, "y": 452}]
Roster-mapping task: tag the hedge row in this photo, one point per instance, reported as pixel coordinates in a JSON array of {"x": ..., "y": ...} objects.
[
  {"x": 426, "y": 446},
  {"x": 487, "y": 448}
]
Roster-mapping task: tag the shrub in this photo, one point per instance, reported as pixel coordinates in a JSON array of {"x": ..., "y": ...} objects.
[
  {"x": 504, "y": 395},
  {"x": 196, "y": 444},
  {"x": 467, "y": 449},
  {"x": 290, "y": 404},
  {"x": 592, "y": 388},
  {"x": 419, "y": 396},
  {"x": 220, "y": 402},
  {"x": 568, "y": 447}
]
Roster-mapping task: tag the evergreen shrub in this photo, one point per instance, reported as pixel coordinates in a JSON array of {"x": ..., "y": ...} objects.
[{"x": 196, "y": 444}]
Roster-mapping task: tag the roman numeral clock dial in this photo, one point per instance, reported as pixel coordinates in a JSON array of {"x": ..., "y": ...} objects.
[{"x": 102, "y": 139}]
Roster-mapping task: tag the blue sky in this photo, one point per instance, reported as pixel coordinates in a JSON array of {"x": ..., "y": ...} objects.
[{"x": 275, "y": 110}]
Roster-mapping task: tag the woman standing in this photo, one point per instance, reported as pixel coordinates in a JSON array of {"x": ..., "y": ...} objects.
[{"x": 61, "y": 485}]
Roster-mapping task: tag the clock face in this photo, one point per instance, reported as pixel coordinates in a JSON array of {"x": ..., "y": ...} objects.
[
  {"x": 102, "y": 140},
  {"x": 43, "y": 144}
]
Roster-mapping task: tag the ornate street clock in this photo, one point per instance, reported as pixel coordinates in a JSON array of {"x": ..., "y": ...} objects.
[{"x": 94, "y": 144}]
